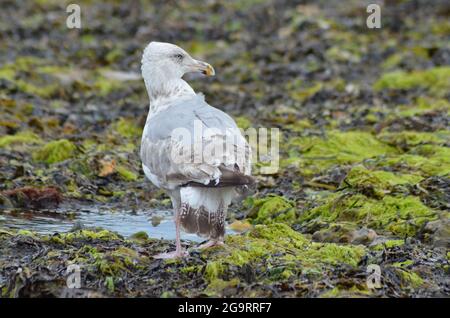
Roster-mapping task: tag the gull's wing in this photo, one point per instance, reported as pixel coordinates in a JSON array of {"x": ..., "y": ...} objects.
[{"x": 191, "y": 142}]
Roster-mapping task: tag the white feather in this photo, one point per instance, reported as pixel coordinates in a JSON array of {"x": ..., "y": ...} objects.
[{"x": 209, "y": 198}]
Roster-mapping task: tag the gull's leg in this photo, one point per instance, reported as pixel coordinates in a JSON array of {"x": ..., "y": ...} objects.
[
  {"x": 217, "y": 232},
  {"x": 179, "y": 252}
]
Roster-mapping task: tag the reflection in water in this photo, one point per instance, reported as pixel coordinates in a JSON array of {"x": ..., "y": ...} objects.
[{"x": 123, "y": 223}]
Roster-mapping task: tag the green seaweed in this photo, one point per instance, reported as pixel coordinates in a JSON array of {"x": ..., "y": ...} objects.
[
  {"x": 36, "y": 82},
  {"x": 140, "y": 236},
  {"x": 428, "y": 160},
  {"x": 88, "y": 235},
  {"x": 271, "y": 208},
  {"x": 126, "y": 173},
  {"x": 104, "y": 85},
  {"x": 243, "y": 122},
  {"x": 304, "y": 93},
  {"x": 405, "y": 140},
  {"x": 315, "y": 154},
  {"x": 24, "y": 137},
  {"x": 268, "y": 246},
  {"x": 114, "y": 55},
  {"x": 378, "y": 182},
  {"x": 109, "y": 263},
  {"x": 213, "y": 269},
  {"x": 127, "y": 128},
  {"x": 345, "y": 292},
  {"x": 436, "y": 80},
  {"x": 388, "y": 244},
  {"x": 402, "y": 216},
  {"x": 329, "y": 119},
  {"x": 55, "y": 151},
  {"x": 423, "y": 105},
  {"x": 410, "y": 278},
  {"x": 216, "y": 287},
  {"x": 109, "y": 283},
  {"x": 403, "y": 264}
]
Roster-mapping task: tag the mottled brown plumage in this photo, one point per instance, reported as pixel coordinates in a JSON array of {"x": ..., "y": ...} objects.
[{"x": 202, "y": 222}]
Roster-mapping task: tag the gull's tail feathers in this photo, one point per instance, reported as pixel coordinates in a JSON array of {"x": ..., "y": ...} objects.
[
  {"x": 229, "y": 177},
  {"x": 203, "y": 210}
]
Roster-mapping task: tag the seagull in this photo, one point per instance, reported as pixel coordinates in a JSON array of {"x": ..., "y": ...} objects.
[{"x": 191, "y": 150}]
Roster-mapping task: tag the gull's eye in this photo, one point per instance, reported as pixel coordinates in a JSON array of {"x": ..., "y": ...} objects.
[{"x": 178, "y": 57}]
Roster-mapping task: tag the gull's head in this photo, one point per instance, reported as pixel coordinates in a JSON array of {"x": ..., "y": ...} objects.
[{"x": 168, "y": 61}]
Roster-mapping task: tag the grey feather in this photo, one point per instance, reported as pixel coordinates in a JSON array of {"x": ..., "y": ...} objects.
[
  {"x": 157, "y": 145},
  {"x": 182, "y": 114}
]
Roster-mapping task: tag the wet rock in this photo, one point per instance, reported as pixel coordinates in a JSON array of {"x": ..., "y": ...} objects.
[
  {"x": 139, "y": 236},
  {"x": 337, "y": 233},
  {"x": 345, "y": 233},
  {"x": 363, "y": 236},
  {"x": 437, "y": 233}
]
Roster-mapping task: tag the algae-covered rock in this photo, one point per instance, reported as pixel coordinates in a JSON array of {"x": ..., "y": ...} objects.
[
  {"x": 355, "y": 291},
  {"x": 410, "y": 278},
  {"x": 335, "y": 232},
  {"x": 275, "y": 250},
  {"x": 41, "y": 83},
  {"x": 219, "y": 287},
  {"x": 423, "y": 105},
  {"x": 271, "y": 208},
  {"x": 140, "y": 236},
  {"x": 127, "y": 128},
  {"x": 243, "y": 122},
  {"x": 378, "y": 182},
  {"x": 419, "y": 153},
  {"x": 427, "y": 160},
  {"x": 401, "y": 216},
  {"x": 85, "y": 234},
  {"x": 345, "y": 232},
  {"x": 315, "y": 154},
  {"x": 269, "y": 257},
  {"x": 20, "y": 138},
  {"x": 436, "y": 80},
  {"x": 387, "y": 244},
  {"x": 126, "y": 173},
  {"x": 406, "y": 140},
  {"x": 55, "y": 151}
]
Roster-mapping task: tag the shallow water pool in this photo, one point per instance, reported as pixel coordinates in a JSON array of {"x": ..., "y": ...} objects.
[{"x": 157, "y": 224}]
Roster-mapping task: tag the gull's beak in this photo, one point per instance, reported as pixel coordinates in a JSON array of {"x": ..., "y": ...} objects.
[{"x": 204, "y": 68}]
